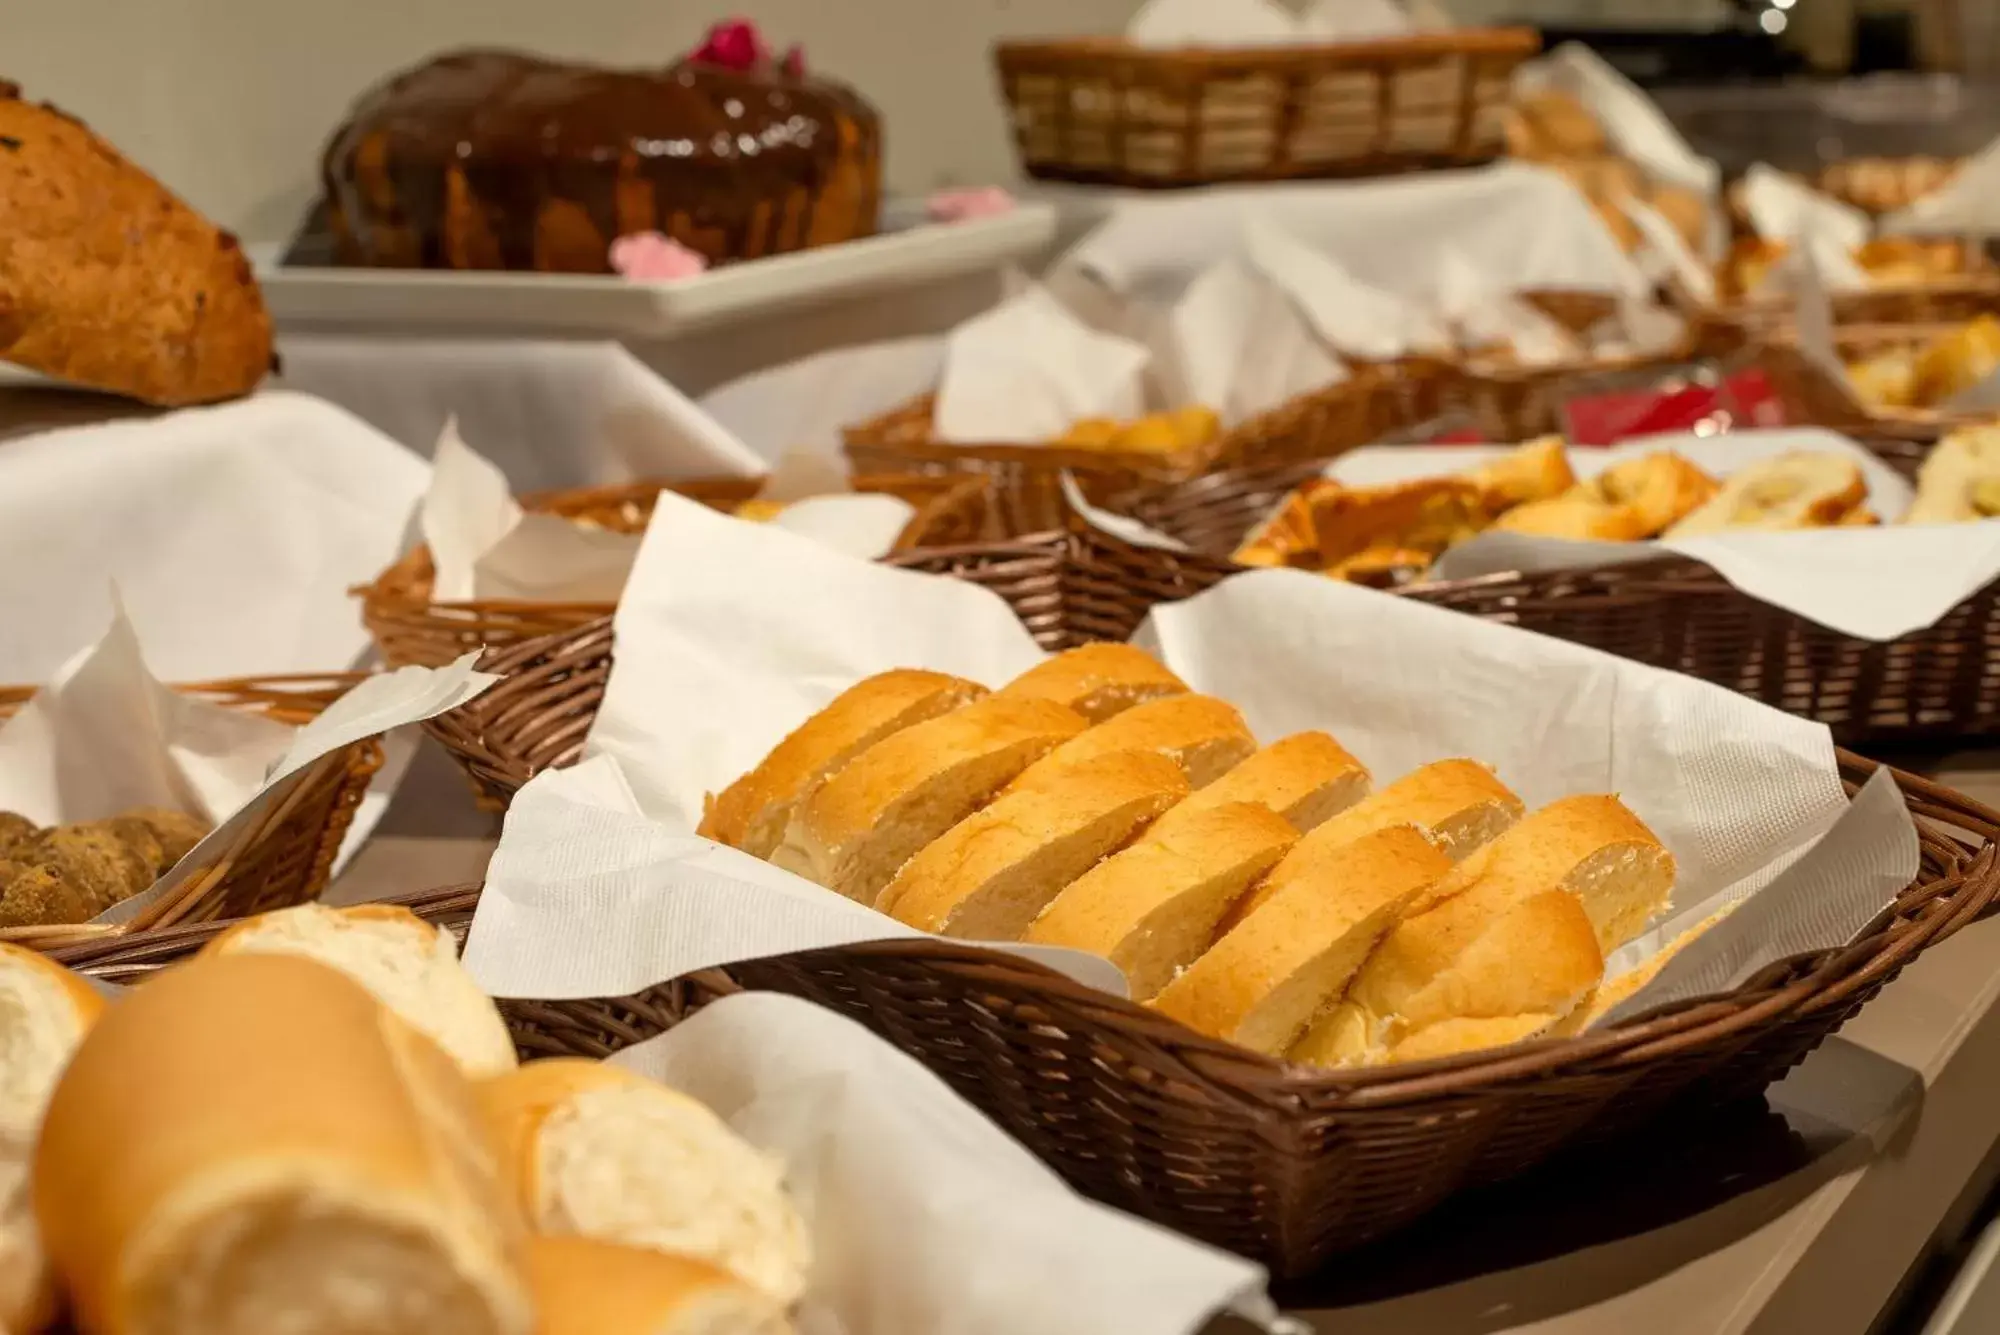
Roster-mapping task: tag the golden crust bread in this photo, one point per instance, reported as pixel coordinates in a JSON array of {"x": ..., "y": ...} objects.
[
  {"x": 1271, "y": 974},
  {"x": 1307, "y": 778},
  {"x": 751, "y": 814},
  {"x": 1456, "y": 1037},
  {"x": 1203, "y": 735},
  {"x": 1097, "y": 680},
  {"x": 1154, "y": 907},
  {"x": 1802, "y": 489},
  {"x": 1536, "y": 471},
  {"x": 1427, "y": 515},
  {"x": 1284, "y": 537},
  {"x": 1560, "y": 124},
  {"x": 1957, "y": 361},
  {"x": 1960, "y": 479},
  {"x": 894, "y": 798},
  {"x": 109, "y": 281},
  {"x": 989, "y": 876},
  {"x": 1660, "y": 489},
  {"x": 1576, "y": 516},
  {"x": 585, "y": 1287}
]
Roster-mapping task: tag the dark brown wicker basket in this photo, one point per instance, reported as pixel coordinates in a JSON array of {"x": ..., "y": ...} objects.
[
  {"x": 283, "y": 858},
  {"x": 1272, "y": 1161},
  {"x": 1103, "y": 110},
  {"x": 409, "y": 628}
]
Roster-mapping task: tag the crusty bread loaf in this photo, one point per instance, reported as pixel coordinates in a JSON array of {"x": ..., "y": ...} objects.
[
  {"x": 1455, "y": 1037},
  {"x": 1306, "y": 778},
  {"x": 107, "y": 280},
  {"x": 1592, "y": 846},
  {"x": 894, "y": 798},
  {"x": 1203, "y": 735},
  {"x": 1536, "y": 471},
  {"x": 1803, "y": 489},
  {"x": 1265, "y": 981},
  {"x": 586, "y": 1287},
  {"x": 595, "y": 1151},
  {"x": 1458, "y": 804},
  {"x": 1097, "y": 680},
  {"x": 990, "y": 875},
  {"x": 253, "y": 1143},
  {"x": 45, "y": 1010},
  {"x": 751, "y": 814},
  {"x": 1154, "y": 907},
  {"x": 409, "y": 965}
]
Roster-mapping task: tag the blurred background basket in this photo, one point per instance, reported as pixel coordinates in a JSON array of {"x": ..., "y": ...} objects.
[
  {"x": 283, "y": 857},
  {"x": 409, "y": 628},
  {"x": 1810, "y": 395},
  {"x": 1100, "y": 109},
  {"x": 1943, "y": 302},
  {"x": 1276, "y": 1162}
]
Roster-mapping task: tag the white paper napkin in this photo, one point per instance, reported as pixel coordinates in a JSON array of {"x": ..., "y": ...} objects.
[
  {"x": 233, "y": 532},
  {"x": 1784, "y": 209},
  {"x": 1353, "y": 317},
  {"x": 1633, "y": 123},
  {"x": 1171, "y": 23},
  {"x": 1484, "y": 313},
  {"x": 803, "y": 405},
  {"x": 711, "y": 673},
  {"x": 1028, "y": 369},
  {"x": 1356, "y": 20},
  {"x": 1237, "y": 343},
  {"x": 926, "y": 1218},
  {"x": 1966, "y": 205}
]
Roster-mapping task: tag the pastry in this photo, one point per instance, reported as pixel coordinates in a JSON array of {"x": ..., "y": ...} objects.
[
  {"x": 1803, "y": 489},
  {"x": 1577, "y": 516},
  {"x": 1660, "y": 489},
  {"x": 1958, "y": 360},
  {"x": 1536, "y": 471},
  {"x": 1427, "y": 515},
  {"x": 498, "y": 160},
  {"x": 109, "y": 281},
  {"x": 1960, "y": 480}
]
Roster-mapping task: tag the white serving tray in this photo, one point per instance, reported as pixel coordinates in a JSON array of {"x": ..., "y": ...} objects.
[{"x": 407, "y": 301}]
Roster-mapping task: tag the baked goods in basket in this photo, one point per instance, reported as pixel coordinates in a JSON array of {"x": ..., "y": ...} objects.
[
  {"x": 1557, "y": 131},
  {"x": 1168, "y": 434},
  {"x": 109, "y": 281},
  {"x": 72, "y": 873},
  {"x": 1799, "y": 490},
  {"x": 1960, "y": 479},
  {"x": 500, "y": 160},
  {"x": 584, "y": 1287},
  {"x": 1263, "y": 895},
  {"x": 1927, "y": 374}
]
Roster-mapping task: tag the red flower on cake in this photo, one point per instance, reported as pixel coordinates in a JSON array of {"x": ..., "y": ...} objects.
[{"x": 734, "y": 44}]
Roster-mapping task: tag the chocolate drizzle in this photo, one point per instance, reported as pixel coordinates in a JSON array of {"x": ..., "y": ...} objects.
[{"x": 491, "y": 159}]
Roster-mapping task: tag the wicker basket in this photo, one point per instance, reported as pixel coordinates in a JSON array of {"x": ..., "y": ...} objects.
[
  {"x": 1104, "y": 110},
  {"x": 409, "y": 628},
  {"x": 1809, "y": 396},
  {"x": 285, "y": 856},
  {"x": 1271, "y": 1161}
]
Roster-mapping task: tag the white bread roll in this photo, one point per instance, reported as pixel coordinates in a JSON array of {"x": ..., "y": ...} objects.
[
  {"x": 751, "y": 814},
  {"x": 1457, "y": 804},
  {"x": 988, "y": 877},
  {"x": 594, "y": 1151},
  {"x": 45, "y": 1010},
  {"x": 1265, "y": 981},
  {"x": 585, "y": 1287},
  {"x": 1307, "y": 778},
  {"x": 1153, "y": 908},
  {"x": 409, "y": 965},
  {"x": 1203, "y": 735},
  {"x": 869, "y": 819},
  {"x": 1097, "y": 680},
  {"x": 252, "y": 1143}
]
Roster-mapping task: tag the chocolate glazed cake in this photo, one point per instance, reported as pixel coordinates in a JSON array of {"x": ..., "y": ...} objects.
[{"x": 496, "y": 160}]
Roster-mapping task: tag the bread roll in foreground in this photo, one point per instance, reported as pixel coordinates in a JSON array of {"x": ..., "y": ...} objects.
[
  {"x": 584, "y": 1287},
  {"x": 1097, "y": 680},
  {"x": 252, "y": 1143},
  {"x": 1458, "y": 804},
  {"x": 1203, "y": 735},
  {"x": 594, "y": 1151},
  {"x": 1153, "y": 908},
  {"x": 44, "y": 1012},
  {"x": 988, "y": 877},
  {"x": 410, "y": 967},
  {"x": 1264, "y": 982},
  {"x": 1803, "y": 489},
  {"x": 751, "y": 814},
  {"x": 858, "y": 830},
  {"x": 1307, "y": 778}
]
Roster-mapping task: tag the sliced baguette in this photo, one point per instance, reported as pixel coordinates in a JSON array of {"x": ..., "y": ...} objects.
[
  {"x": 1306, "y": 778},
  {"x": 990, "y": 875},
  {"x": 1097, "y": 680},
  {"x": 1203, "y": 735},
  {"x": 1453, "y": 1038},
  {"x": 751, "y": 814},
  {"x": 1154, "y": 907},
  {"x": 906, "y": 790},
  {"x": 1264, "y": 982},
  {"x": 1458, "y": 804},
  {"x": 1614, "y": 992}
]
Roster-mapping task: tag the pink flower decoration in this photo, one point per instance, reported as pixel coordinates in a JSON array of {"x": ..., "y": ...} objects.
[
  {"x": 985, "y": 201},
  {"x": 733, "y": 44},
  {"x": 649, "y": 257},
  {"x": 794, "y": 63}
]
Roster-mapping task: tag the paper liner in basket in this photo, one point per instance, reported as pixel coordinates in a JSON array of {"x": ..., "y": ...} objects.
[
  {"x": 105, "y": 736},
  {"x": 586, "y": 899}
]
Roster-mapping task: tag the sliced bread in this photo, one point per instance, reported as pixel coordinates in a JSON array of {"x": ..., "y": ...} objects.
[
  {"x": 1097, "y": 680},
  {"x": 1203, "y": 735},
  {"x": 1306, "y": 778}
]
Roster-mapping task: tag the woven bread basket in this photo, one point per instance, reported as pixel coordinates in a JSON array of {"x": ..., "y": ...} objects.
[
  {"x": 409, "y": 628},
  {"x": 1809, "y": 395},
  {"x": 284, "y": 856},
  {"x": 1276, "y": 1162},
  {"x": 1102, "y": 110},
  {"x": 1943, "y": 301}
]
